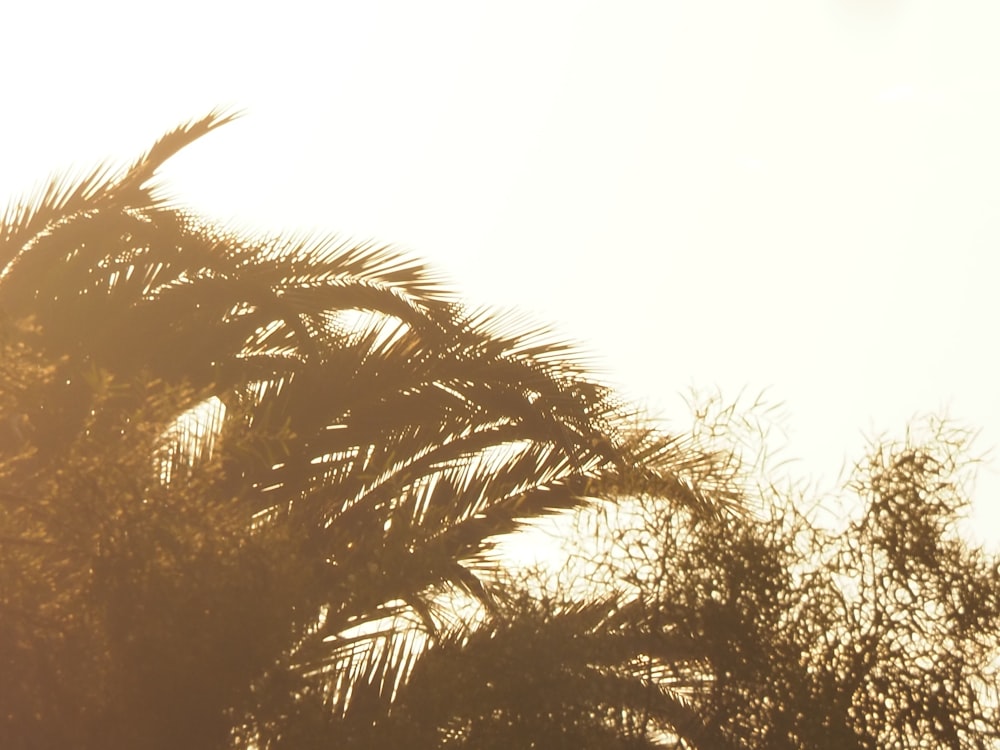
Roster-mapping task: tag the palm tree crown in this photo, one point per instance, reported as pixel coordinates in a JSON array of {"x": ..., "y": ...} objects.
[{"x": 334, "y": 401}]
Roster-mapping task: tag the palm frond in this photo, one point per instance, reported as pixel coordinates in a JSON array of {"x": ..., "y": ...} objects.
[
  {"x": 584, "y": 664},
  {"x": 103, "y": 188}
]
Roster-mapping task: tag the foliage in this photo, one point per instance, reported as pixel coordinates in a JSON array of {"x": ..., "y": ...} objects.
[
  {"x": 885, "y": 633},
  {"x": 252, "y": 493}
]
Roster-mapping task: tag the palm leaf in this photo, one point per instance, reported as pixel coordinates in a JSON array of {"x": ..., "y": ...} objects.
[{"x": 64, "y": 199}]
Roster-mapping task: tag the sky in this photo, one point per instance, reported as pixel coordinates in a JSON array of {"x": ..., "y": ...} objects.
[{"x": 790, "y": 196}]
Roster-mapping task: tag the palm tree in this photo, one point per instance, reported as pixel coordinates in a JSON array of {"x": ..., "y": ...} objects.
[{"x": 322, "y": 443}]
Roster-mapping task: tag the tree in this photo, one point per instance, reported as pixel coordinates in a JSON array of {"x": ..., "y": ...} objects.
[
  {"x": 881, "y": 633},
  {"x": 248, "y": 479}
]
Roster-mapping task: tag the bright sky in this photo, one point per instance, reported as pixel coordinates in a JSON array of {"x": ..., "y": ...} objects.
[{"x": 799, "y": 195}]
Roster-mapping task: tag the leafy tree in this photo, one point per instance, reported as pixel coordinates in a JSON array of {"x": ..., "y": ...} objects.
[
  {"x": 247, "y": 480},
  {"x": 883, "y": 633}
]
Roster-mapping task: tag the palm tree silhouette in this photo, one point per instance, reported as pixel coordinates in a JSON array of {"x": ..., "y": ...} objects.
[{"x": 346, "y": 409}]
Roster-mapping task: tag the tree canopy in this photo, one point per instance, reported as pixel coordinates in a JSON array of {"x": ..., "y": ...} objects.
[{"x": 252, "y": 490}]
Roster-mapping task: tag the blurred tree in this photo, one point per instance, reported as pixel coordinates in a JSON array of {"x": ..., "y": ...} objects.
[{"x": 885, "y": 633}]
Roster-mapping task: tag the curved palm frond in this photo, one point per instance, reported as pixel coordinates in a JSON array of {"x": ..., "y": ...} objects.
[{"x": 65, "y": 199}]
